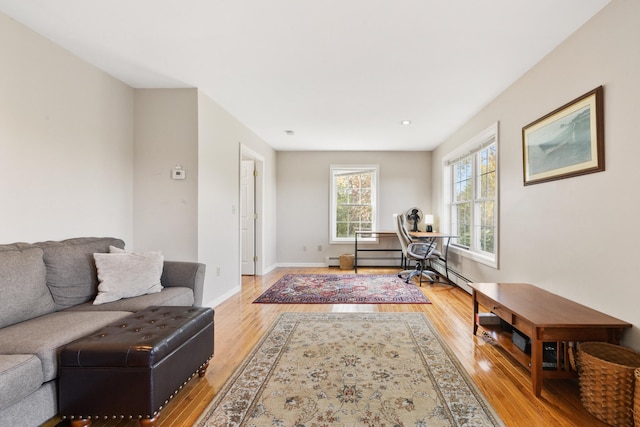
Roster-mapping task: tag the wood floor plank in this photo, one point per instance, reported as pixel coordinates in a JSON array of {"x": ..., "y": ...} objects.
[{"x": 239, "y": 325}]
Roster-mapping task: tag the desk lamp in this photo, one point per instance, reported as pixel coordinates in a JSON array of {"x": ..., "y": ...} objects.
[{"x": 428, "y": 220}]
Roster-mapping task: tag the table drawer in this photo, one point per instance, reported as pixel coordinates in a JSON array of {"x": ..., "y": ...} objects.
[
  {"x": 503, "y": 313},
  {"x": 494, "y": 307}
]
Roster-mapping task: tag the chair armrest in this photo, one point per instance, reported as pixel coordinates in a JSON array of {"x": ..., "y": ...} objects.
[
  {"x": 186, "y": 274},
  {"x": 423, "y": 250}
]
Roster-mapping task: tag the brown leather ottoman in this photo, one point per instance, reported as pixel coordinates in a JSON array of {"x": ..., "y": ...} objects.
[{"x": 132, "y": 368}]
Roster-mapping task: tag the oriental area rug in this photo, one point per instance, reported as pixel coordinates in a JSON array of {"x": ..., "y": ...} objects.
[
  {"x": 350, "y": 369},
  {"x": 342, "y": 289}
]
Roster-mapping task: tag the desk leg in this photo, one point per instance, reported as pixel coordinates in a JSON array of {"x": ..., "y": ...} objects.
[
  {"x": 446, "y": 260},
  {"x": 536, "y": 364},
  {"x": 355, "y": 256},
  {"x": 475, "y": 313}
]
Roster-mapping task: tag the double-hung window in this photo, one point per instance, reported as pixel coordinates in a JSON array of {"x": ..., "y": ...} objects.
[
  {"x": 353, "y": 204},
  {"x": 471, "y": 190}
]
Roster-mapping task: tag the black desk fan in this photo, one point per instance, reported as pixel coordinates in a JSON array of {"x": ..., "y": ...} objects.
[{"x": 414, "y": 216}]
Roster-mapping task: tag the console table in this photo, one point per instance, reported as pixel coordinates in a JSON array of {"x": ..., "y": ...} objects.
[{"x": 545, "y": 318}]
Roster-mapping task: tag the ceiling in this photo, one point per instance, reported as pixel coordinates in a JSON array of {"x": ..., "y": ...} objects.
[{"x": 340, "y": 74}]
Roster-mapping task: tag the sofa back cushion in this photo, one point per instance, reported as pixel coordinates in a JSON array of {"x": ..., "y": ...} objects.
[
  {"x": 23, "y": 284},
  {"x": 71, "y": 270}
]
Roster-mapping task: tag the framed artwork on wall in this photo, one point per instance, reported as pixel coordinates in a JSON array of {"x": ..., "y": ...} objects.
[{"x": 566, "y": 142}]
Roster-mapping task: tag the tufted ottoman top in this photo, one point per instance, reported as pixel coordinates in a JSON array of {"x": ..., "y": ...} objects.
[{"x": 139, "y": 340}]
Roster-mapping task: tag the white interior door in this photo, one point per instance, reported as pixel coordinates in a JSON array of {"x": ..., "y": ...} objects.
[{"x": 247, "y": 217}]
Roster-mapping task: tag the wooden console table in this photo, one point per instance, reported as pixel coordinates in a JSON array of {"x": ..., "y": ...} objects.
[{"x": 545, "y": 318}]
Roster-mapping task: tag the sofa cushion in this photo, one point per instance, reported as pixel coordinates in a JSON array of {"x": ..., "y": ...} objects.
[
  {"x": 20, "y": 375},
  {"x": 23, "y": 283},
  {"x": 33, "y": 410},
  {"x": 178, "y": 295},
  {"x": 71, "y": 270},
  {"x": 44, "y": 335},
  {"x": 126, "y": 275}
]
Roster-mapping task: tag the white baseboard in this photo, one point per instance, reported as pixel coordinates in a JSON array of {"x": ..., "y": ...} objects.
[
  {"x": 216, "y": 302},
  {"x": 302, "y": 264},
  {"x": 269, "y": 269},
  {"x": 454, "y": 277}
]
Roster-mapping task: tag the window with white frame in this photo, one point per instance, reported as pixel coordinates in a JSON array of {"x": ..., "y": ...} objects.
[
  {"x": 353, "y": 204},
  {"x": 471, "y": 192}
]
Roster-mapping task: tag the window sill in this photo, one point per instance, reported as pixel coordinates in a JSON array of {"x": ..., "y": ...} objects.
[{"x": 475, "y": 256}]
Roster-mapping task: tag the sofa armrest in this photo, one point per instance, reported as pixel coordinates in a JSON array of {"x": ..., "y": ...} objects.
[{"x": 186, "y": 274}]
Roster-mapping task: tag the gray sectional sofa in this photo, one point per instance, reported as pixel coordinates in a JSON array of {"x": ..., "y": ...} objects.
[{"x": 47, "y": 291}]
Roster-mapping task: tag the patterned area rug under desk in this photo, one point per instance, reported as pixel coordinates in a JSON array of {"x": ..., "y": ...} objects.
[{"x": 342, "y": 289}]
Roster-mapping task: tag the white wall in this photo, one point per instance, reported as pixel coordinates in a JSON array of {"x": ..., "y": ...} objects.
[
  {"x": 66, "y": 143},
  {"x": 303, "y": 197},
  {"x": 165, "y": 214},
  {"x": 196, "y": 219},
  {"x": 576, "y": 237},
  {"x": 220, "y": 138}
]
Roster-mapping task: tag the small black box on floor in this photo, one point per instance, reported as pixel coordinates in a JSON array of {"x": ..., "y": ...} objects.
[
  {"x": 549, "y": 349},
  {"x": 550, "y": 355},
  {"x": 521, "y": 341},
  {"x": 506, "y": 326}
]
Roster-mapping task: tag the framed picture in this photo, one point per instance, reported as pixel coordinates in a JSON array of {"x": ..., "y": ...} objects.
[{"x": 566, "y": 142}]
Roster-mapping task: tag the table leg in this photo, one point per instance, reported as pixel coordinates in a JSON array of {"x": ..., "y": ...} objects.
[{"x": 536, "y": 365}]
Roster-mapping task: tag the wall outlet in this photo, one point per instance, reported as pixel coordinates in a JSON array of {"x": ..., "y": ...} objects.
[
  {"x": 319, "y": 248},
  {"x": 217, "y": 271}
]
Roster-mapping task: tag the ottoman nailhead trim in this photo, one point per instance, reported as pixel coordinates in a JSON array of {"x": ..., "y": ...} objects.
[{"x": 155, "y": 413}]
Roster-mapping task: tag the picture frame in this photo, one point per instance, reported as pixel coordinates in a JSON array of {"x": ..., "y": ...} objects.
[{"x": 567, "y": 142}]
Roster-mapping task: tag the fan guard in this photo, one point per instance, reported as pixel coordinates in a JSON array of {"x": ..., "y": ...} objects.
[{"x": 414, "y": 217}]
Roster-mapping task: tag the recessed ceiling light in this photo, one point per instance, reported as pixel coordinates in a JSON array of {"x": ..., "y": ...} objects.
[
  {"x": 289, "y": 132},
  {"x": 405, "y": 122}
]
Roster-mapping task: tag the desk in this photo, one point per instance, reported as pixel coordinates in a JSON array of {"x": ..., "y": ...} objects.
[
  {"x": 543, "y": 317},
  {"x": 431, "y": 236},
  {"x": 375, "y": 234}
]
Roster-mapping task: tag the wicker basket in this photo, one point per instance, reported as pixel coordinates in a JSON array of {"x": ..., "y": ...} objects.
[
  {"x": 346, "y": 261},
  {"x": 636, "y": 399},
  {"x": 607, "y": 381}
]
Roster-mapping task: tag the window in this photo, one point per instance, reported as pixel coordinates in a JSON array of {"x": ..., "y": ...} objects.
[
  {"x": 353, "y": 201},
  {"x": 471, "y": 178}
]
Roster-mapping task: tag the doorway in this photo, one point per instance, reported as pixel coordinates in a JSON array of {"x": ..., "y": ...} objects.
[
  {"x": 247, "y": 218},
  {"x": 251, "y": 212}
]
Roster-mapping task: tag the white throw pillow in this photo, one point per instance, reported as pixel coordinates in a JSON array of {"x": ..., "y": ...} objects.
[{"x": 124, "y": 275}]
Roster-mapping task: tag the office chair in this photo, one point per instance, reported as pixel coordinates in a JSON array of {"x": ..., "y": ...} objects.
[{"x": 420, "y": 252}]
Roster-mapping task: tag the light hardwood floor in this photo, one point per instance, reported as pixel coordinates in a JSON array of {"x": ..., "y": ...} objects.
[{"x": 239, "y": 325}]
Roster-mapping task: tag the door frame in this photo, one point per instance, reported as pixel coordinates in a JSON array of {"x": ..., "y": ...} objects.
[{"x": 247, "y": 153}]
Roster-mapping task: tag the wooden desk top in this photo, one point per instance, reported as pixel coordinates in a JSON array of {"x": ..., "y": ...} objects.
[
  {"x": 383, "y": 232},
  {"x": 427, "y": 234},
  {"x": 416, "y": 234},
  {"x": 543, "y": 308}
]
